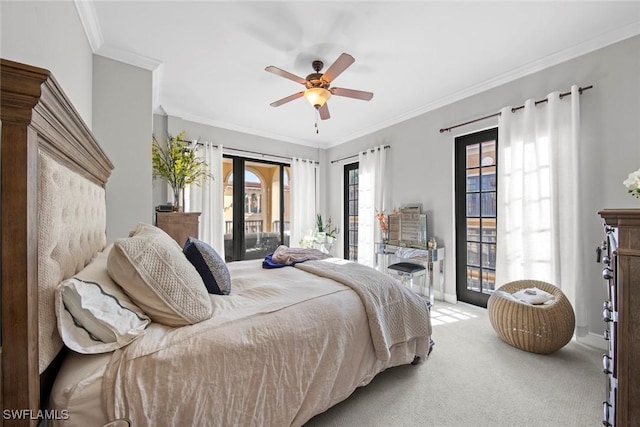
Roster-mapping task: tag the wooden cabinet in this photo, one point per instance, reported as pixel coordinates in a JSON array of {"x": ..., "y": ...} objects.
[
  {"x": 622, "y": 316},
  {"x": 179, "y": 225}
]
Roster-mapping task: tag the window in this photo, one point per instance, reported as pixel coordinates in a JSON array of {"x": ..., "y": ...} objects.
[
  {"x": 351, "y": 210},
  {"x": 475, "y": 194}
]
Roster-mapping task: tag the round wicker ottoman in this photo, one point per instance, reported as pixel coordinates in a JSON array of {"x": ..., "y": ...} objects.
[{"x": 539, "y": 329}]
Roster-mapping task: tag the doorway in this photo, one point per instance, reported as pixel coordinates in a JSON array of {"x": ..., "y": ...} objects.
[
  {"x": 476, "y": 164},
  {"x": 257, "y": 201}
]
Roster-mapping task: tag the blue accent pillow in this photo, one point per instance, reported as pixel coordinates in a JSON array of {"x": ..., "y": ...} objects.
[{"x": 210, "y": 266}]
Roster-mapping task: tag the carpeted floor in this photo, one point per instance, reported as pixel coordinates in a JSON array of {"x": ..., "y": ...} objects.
[{"x": 473, "y": 379}]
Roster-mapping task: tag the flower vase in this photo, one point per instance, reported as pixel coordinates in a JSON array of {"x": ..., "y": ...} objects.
[
  {"x": 384, "y": 234},
  {"x": 329, "y": 243},
  {"x": 176, "y": 199}
]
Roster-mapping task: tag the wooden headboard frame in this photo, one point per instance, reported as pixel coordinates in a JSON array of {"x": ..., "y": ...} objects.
[{"x": 36, "y": 116}]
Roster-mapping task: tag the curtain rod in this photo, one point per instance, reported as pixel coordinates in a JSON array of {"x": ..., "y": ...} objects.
[
  {"x": 513, "y": 110},
  {"x": 269, "y": 155},
  {"x": 249, "y": 151},
  {"x": 196, "y": 142},
  {"x": 358, "y": 153}
]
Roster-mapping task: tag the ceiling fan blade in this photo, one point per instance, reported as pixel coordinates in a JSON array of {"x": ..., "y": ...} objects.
[
  {"x": 287, "y": 99},
  {"x": 341, "y": 64},
  {"x": 285, "y": 74},
  {"x": 324, "y": 112},
  {"x": 351, "y": 93}
]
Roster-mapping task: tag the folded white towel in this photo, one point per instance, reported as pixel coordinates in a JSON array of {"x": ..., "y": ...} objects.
[{"x": 533, "y": 296}]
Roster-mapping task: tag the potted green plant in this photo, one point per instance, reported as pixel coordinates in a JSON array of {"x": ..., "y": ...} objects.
[
  {"x": 326, "y": 227},
  {"x": 322, "y": 237},
  {"x": 178, "y": 164}
]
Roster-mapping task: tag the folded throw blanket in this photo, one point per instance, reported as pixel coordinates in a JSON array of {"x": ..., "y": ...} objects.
[
  {"x": 290, "y": 256},
  {"x": 395, "y": 313}
]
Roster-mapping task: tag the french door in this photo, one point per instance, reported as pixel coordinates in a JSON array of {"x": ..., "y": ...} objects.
[
  {"x": 476, "y": 164},
  {"x": 351, "y": 209},
  {"x": 257, "y": 203}
]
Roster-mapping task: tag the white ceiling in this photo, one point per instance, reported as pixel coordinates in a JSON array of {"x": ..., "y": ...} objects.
[{"x": 209, "y": 57}]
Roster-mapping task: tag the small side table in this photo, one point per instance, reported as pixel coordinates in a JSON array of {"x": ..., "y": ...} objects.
[{"x": 179, "y": 225}]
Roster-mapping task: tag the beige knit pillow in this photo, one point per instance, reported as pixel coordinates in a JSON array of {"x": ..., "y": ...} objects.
[{"x": 151, "y": 268}]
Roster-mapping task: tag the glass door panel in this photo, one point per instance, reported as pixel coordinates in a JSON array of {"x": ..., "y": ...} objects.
[
  {"x": 227, "y": 173},
  {"x": 257, "y": 202},
  {"x": 476, "y": 208},
  {"x": 351, "y": 207}
]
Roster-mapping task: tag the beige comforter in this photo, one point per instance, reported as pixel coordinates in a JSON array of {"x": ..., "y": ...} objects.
[{"x": 283, "y": 347}]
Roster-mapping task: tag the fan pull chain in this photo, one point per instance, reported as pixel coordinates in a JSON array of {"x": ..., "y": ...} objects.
[{"x": 316, "y": 125}]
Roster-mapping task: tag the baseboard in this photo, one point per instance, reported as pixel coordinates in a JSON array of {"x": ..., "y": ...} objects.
[
  {"x": 453, "y": 299},
  {"x": 450, "y": 298},
  {"x": 593, "y": 340}
]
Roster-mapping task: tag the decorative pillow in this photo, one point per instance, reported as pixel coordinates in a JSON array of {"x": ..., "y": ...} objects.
[
  {"x": 533, "y": 296},
  {"x": 210, "y": 266},
  {"x": 94, "y": 315},
  {"x": 151, "y": 268}
]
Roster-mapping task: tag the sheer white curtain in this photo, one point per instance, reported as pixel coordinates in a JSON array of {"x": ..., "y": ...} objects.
[
  {"x": 207, "y": 198},
  {"x": 371, "y": 178},
  {"x": 303, "y": 199},
  {"x": 538, "y": 197}
]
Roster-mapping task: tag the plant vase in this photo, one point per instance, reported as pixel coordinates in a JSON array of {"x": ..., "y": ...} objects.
[
  {"x": 329, "y": 242},
  {"x": 176, "y": 199}
]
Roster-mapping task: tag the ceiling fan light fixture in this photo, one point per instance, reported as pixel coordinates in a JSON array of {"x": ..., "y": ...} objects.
[{"x": 317, "y": 96}]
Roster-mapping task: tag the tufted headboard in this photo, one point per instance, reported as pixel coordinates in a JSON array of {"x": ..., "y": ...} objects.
[
  {"x": 72, "y": 217},
  {"x": 52, "y": 197}
]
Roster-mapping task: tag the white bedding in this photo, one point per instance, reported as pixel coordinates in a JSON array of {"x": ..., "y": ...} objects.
[{"x": 283, "y": 347}]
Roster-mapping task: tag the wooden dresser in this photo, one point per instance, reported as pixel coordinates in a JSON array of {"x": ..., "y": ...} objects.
[
  {"x": 179, "y": 225},
  {"x": 620, "y": 254}
]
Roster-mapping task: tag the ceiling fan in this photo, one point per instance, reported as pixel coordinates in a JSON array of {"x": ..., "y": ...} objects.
[{"x": 318, "y": 85}]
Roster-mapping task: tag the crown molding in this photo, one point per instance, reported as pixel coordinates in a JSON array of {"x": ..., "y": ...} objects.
[
  {"x": 89, "y": 19},
  {"x": 91, "y": 25},
  {"x": 129, "y": 57}
]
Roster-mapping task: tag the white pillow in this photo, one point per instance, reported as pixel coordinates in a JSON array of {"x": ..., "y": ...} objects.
[
  {"x": 533, "y": 296},
  {"x": 94, "y": 315},
  {"x": 151, "y": 268}
]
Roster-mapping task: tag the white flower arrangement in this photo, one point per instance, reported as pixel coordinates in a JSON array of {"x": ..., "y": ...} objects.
[
  {"x": 309, "y": 240},
  {"x": 633, "y": 183},
  {"x": 317, "y": 240}
]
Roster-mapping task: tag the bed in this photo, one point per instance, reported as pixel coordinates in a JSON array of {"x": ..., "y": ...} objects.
[{"x": 281, "y": 346}]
